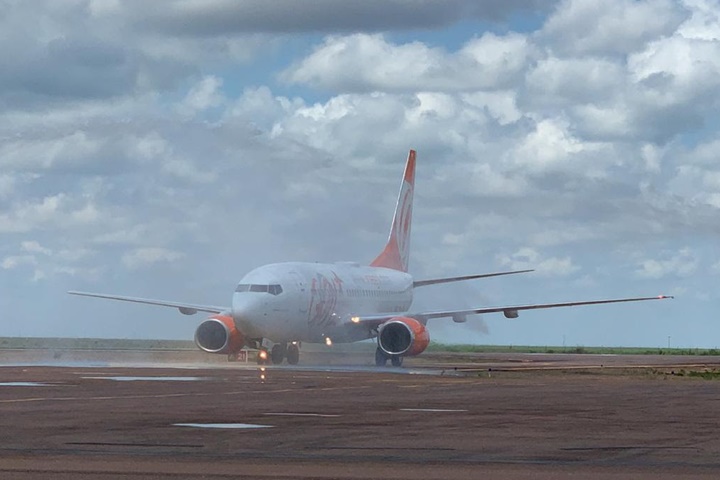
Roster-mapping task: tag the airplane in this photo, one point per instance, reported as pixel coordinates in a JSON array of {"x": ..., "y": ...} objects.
[{"x": 290, "y": 303}]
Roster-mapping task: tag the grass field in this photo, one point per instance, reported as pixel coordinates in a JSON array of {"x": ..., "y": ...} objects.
[
  {"x": 439, "y": 347},
  {"x": 93, "y": 344}
]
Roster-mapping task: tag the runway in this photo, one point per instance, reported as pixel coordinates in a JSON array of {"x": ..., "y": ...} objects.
[{"x": 455, "y": 420}]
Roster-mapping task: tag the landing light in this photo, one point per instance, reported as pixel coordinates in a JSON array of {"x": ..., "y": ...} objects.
[
  {"x": 263, "y": 354},
  {"x": 328, "y": 341},
  {"x": 355, "y": 319}
]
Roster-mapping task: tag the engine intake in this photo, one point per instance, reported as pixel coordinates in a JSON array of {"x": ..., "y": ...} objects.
[
  {"x": 218, "y": 334},
  {"x": 403, "y": 336}
]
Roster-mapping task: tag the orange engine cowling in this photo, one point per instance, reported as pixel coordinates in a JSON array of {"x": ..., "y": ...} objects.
[
  {"x": 218, "y": 334},
  {"x": 403, "y": 336}
]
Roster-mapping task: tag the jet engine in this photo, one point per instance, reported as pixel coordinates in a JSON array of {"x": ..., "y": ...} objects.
[
  {"x": 403, "y": 336},
  {"x": 218, "y": 334}
]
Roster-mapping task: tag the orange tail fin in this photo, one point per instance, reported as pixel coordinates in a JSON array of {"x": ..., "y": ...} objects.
[{"x": 396, "y": 254}]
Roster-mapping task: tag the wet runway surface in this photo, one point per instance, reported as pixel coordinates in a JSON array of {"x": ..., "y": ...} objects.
[{"x": 463, "y": 419}]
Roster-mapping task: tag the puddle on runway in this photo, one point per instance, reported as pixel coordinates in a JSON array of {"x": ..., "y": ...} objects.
[
  {"x": 222, "y": 425},
  {"x": 25, "y": 384},
  {"x": 148, "y": 379}
]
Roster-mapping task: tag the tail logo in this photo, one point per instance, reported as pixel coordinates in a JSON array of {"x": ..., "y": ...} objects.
[
  {"x": 402, "y": 229},
  {"x": 396, "y": 254}
]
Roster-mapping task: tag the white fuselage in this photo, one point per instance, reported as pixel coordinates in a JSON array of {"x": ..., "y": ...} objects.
[{"x": 308, "y": 302}]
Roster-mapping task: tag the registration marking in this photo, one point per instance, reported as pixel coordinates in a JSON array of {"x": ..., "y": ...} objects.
[{"x": 147, "y": 379}]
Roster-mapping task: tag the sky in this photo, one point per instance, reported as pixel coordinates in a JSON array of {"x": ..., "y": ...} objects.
[{"x": 164, "y": 149}]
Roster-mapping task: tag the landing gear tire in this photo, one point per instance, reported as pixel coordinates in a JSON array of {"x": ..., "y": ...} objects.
[
  {"x": 293, "y": 354},
  {"x": 381, "y": 358},
  {"x": 396, "y": 360},
  {"x": 263, "y": 356},
  {"x": 278, "y": 352}
]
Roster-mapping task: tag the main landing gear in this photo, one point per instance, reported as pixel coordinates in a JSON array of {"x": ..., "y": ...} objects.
[
  {"x": 282, "y": 351},
  {"x": 381, "y": 359}
]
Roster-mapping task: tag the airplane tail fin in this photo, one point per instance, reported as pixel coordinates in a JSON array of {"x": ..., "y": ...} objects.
[{"x": 396, "y": 254}]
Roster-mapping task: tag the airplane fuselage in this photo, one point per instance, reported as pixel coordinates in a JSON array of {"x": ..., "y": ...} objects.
[{"x": 309, "y": 302}]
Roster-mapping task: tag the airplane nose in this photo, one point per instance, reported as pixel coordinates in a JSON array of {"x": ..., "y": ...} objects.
[
  {"x": 248, "y": 312},
  {"x": 246, "y": 305}
]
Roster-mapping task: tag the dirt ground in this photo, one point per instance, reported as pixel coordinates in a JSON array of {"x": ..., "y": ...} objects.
[{"x": 493, "y": 416}]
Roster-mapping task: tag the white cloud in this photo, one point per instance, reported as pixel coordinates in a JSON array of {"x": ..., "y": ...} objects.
[
  {"x": 203, "y": 95},
  {"x": 682, "y": 263},
  {"x": 529, "y": 258},
  {"x": 552, "y": 147},
  {"x": 551, "y": 237},
  {"x": 689, "y": 66},
  {"x": 704, "y": 22},
  {"x": 32, "y": 246},
  {"x": 15, "y": 261},
  {"x": 575, "y": 144},
  {"x": 52, "y": 212},
  {"x": 617, "y": 27},
  {"x": 147, "y": 256},
  {"x": 7, "y": 185},
  {"x": 364, "y": 62},
  {"x": 34, "y": 153}
]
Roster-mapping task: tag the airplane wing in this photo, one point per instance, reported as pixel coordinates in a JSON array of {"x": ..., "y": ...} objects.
[
  {"x": 185, "y": 308},
  {"x": 433, "y": 281},
  {"x": 510, "y": 311}
]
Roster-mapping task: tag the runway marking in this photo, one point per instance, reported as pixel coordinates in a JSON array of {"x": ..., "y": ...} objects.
[
  {"x": 222, "y": 425},
  {"x": 383, "y": 448},
  {"x": 122, "y": 444},
  {"x": 431, "y": 410},
  {"x": 140, "y": 397},
  {"x": 327, "y": 389},
  {"x": 25, "y": 384},
  {"x": 325, "y": 415},
  {"x": 147, "y": 379}
]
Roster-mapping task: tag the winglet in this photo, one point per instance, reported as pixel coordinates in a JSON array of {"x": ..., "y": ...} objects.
[{"x": 396, "y": 254}]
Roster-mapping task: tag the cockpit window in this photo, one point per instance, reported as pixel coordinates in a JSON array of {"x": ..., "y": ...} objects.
[{"x": 247, "y": 287}]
